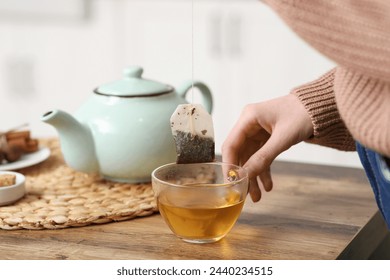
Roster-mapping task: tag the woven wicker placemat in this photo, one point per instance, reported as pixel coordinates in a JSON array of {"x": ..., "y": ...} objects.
[{"x": 59, "y": 197}]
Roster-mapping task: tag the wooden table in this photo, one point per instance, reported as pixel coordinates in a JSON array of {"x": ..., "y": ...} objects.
[{"x": 314, "y": 212}]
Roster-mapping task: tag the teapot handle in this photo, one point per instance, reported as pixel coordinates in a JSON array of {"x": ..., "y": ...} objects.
[{"x": 204, "y": 90}]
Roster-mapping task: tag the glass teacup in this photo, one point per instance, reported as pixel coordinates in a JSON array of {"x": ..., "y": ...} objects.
[{"x": 200, "y": 202}]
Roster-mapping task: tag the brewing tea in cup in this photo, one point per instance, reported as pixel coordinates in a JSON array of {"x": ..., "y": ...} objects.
[{"x": 200, "y": 202}]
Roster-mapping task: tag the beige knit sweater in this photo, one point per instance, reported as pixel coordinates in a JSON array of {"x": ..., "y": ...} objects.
[{"x": 351, "y": 101}]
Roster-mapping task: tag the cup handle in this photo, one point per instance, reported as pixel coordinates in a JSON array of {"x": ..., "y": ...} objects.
[{"x": 204, "y": 90}]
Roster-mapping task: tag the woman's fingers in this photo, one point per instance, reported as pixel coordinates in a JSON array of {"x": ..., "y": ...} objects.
[
  {"x": 254, "y": 185},
  {"x": 235, "y": 144},
  {"x": 263, "y": 131},
  {"x": 254, "y": 190},
  {"x": 261, "y": 160},
  {"x": 266, "y": 179}
]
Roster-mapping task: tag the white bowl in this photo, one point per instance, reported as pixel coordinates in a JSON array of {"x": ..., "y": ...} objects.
[{"x": 10, "y": 194}]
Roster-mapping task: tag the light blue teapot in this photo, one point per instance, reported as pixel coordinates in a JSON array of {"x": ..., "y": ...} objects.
[{"x": 123, "y": 130}]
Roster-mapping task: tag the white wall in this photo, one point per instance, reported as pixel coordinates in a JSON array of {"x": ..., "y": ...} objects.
[{"x": 242, "y": 50}]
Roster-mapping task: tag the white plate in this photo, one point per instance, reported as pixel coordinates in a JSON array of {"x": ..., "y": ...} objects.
[{"x": 27, "y": 160}]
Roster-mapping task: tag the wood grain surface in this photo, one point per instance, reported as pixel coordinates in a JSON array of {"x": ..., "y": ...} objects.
[{"x": 313, "y": 212}]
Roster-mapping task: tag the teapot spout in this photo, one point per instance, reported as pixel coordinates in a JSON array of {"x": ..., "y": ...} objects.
[{"x": 77, "y": 144}]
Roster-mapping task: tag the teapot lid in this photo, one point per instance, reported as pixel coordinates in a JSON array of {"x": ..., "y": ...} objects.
[{"x": 133, "y": 85}]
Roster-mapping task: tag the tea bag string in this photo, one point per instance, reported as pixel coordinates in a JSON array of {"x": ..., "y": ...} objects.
[
  {"x": 192, "y": 50},
  {"x": 192, "y": 66}
]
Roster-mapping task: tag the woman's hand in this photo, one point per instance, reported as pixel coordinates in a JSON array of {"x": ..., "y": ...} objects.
[{"x": 263, "y": 131}]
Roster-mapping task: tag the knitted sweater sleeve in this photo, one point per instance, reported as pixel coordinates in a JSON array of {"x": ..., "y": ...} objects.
[
  {"x": 355, "y": 35},
  {"x": 319, "y": 100}
]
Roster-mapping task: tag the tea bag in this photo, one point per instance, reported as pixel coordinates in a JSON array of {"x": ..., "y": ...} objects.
[{"x": 193, "y": 132}]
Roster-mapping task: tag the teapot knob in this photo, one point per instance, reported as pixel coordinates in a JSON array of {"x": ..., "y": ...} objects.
[{"x": 133, "y": 72}]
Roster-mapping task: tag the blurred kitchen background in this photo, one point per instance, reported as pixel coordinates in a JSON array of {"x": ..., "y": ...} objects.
[{"x": 53, "y": 53}]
